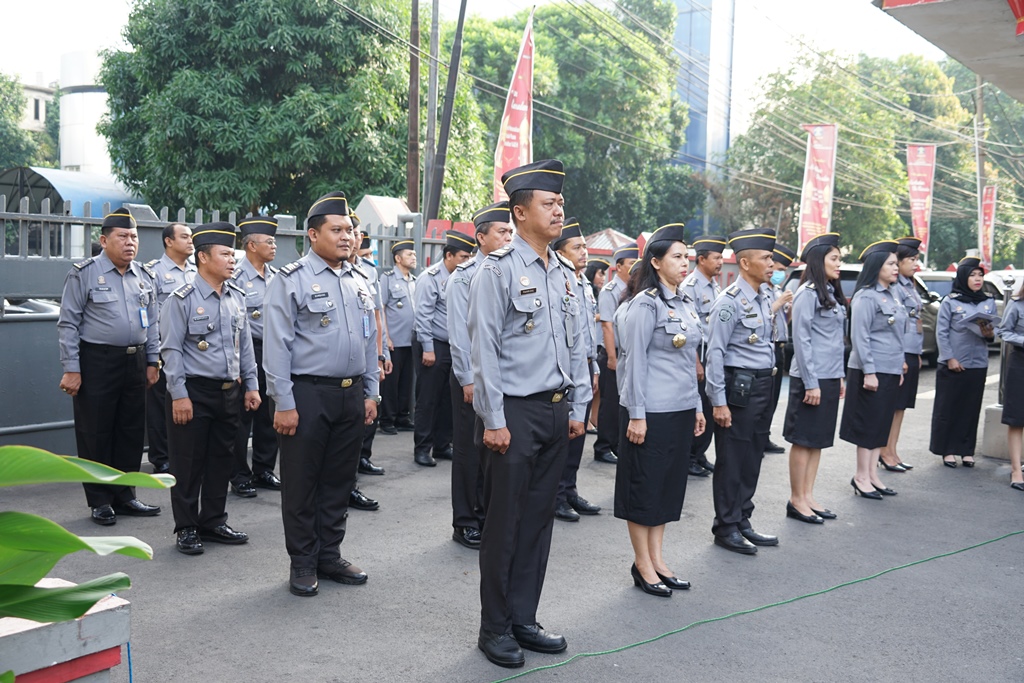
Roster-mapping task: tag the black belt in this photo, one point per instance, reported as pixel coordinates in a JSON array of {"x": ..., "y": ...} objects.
[
  {"x": 343, "y": 382},
  {"x": 209, "y": 383},
  {"x": 547, "y": 396},
  {"x": 120, "y": 350},
  {"x": 766, "y": 372}
]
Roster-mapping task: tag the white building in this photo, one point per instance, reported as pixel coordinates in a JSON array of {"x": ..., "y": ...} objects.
[
  {"x": 37, "y": 99},
  {"x": 82, "y": 104}
]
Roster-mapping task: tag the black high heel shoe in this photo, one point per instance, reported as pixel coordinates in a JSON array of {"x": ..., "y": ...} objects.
[
  {"x": 967, "y": 463},
  {"x": 884, "y": 490},
  {"x": 873, "y": 495},
  {"x": 906, "y": 466},
  {"x": 892, "y": 468},
  {"x": 825, "y": 514},
  {"x": 673, "y": 582},
  {"x": 793, "y": 513},
  {"x": 658, "y": 589}
]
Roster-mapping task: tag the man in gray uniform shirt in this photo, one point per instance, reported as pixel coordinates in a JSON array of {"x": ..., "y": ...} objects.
[
  {"x": 170, "y": 271},
  {"x": 252, "y": 276},
  {"x": 740, "y": 368},
  {"x": 493, "y": 231},
  {"x": 109, "y": 349},
  {"x": 320, "y": 355},
  {"x": 397, "y": 287},
  {"x": 206, "y": 347},
  {"x": 531, "y": 386}
]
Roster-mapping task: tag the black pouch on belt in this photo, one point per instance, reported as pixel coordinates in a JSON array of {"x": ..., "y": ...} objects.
[{"x": 739, "y": 388}]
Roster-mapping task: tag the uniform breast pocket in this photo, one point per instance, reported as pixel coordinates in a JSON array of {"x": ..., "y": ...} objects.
[
  {"x": 200, "y": 328},
  {"x": 530, "y": 316},
  {"x": 887, "y": 314},
  {"x": 106, "y": 302},
  {"x": 751, "y": 323},
  {"x": 318, "y": 316},
  {"x": 672, "y": 335}
]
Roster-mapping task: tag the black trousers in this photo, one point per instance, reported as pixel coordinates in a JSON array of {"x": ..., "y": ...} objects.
[
  {"x": 780, "y": 366},
  {"x": 433, "y": 403},
  {"x": 519, "y": 510},
  {"x": 156, "y": 421},
  {"x": 318, "y": 469},
  {"x": 110, "y": 415},
  {"x": 202, "y": 452},
  {"x": 739, "y": 451},
  {"x": 261, "y": 425},
  {"x": 567, "y": 484},
  {"x": 608, "y": 413},
  {"x": 467, "y": 472},
  {"x": 396, "y": 389}
]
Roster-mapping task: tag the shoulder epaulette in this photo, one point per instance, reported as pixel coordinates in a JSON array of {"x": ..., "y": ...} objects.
[
  {"x": 686, "y": 297},
  {"x": 183, "y": 291},
  {"x": 732, "y": 290},
  {"x": 149, "y": 271},
  {"x": 466, "y": 265},
  {"x": 690, "y": 280},
  {"x": 411, "y": 277},
  {"x": 360, "y": 271},
  {"x": 609, "y": 287},
  {"x": 389, "y": 272},
  {"x": 291, "y": 267},
  {"x": 501, "y": 253},
  {"x": 235, "y": 287},
  {"x": 807, "y": 285},
  {"x": 237, "y": 274},
  {"x": 954, "y": 295},
  {"x": 271, "y": 269},
  {"x": 82, "y": 264},
  {"x": 990, "y": 295},
  {"x": 652, "y": 292},
  {"x": 434, "y": 269},
  {"x": 152, "y": 264},
  {"x": 565, "y": 262}
]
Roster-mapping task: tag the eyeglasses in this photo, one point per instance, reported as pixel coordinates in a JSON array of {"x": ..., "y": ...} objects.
[{"x": 272, "y": 242}]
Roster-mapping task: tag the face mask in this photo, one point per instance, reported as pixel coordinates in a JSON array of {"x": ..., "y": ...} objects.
[{"x": 778, "y": 277}]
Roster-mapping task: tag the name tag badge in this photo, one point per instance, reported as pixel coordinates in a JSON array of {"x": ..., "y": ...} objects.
[
  {"x": 144, "y": 317},
  {"x": 366, "y": 326}
]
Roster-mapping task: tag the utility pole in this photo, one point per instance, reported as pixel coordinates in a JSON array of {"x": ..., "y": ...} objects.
[
  {"x": 412, "y": 183},
  {"x": 437, "y": 171},
  {"x": 979, "y": 153},
  {"x": 428, "y": 151}
]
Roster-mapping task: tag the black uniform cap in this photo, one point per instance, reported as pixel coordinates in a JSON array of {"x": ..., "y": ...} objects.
[
  {"x": 911, "y": 242},
  {"x": 331, "y": 204},
  {"x": 710, "y": 243},
  {"x": 457, "y": 240},
  {"x": 783, "y": 254},
  {"x": 888, "y": 246},
  {"x": 752, "y": 238},
  {"x": 570, "y": 229},
  {"x": 492, "y": 213},
  {"x": 672, "y": 232},
  {"x": 119, "y": 219},
  {"x": 546, "y": 174},
  {"x": 828, "y": 239},
  {"x": 258, "y": 225},
  {"x": 402, "y": 246},
  {"x": 220, "y": 233}
]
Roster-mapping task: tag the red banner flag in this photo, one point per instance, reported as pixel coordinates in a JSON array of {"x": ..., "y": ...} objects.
[
  {"x": 1017, "y": 7},
  {"x": 819, "y": 178},
  {"x": 895, "y": 4},
  {"x": 986, "y": 231},
  {"x": 515, "y": 136},
  {"x": 921, "y": 179}
]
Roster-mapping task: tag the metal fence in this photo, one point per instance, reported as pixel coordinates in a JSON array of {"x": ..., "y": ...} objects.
[{"x": 40, "y": 248}]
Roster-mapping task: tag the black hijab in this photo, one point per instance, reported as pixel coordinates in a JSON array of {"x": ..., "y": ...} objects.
[{"x": 960, "y": 286}]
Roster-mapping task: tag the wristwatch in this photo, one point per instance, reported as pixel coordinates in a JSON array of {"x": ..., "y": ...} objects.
[
  {"x": 376, "y": 398},
  {"x": 381, "y": 358}
]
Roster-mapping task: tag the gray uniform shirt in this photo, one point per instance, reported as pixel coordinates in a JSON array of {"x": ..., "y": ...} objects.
[
  {"x": 739, "y": 335},
  {"x": 318, "y": 322},
  {"x": 780, "y": 333},
  {"x": 585, "y": 293},
  {"x": 397, "y": 294},
  {"x": 960, "y": 340},
  {"x": 659, "y": 335},
  {"x": 1011, "y": 329},
  {"x": 818, "y": 333},
  {"x": 195, "y": 314},
  {"x": 913, "y": 336},
  {"x": 877, "y": 322},
  {"x": 608, "y": 301},
  {"x": 457, "y": 298},
  {"x": 526, "y": 332},
  {"x": 101, "y": 306},
  {"x": 431, "y": 307},
  {"x": 703, "y": 291},
  {"x": 254, "y": 285},
  {"x": 168, "y": 276}
]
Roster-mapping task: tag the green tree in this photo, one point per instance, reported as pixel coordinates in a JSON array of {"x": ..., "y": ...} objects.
[{"x": 16, "y": 145}]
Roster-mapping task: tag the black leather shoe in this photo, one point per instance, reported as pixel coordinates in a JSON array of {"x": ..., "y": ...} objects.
[
  {"x": 697, "y": 471},
  {"x": 244, "y": 490},
  {"x": 773, "y": 447},
  {"x": 872, "y": 495},
  {"x": 224, "y": 534},
  {"x": 1017, "y": 485},
  {"x": 161, "y": 467},
  {"x": 359, "y": 501},
  {"x": 825, "y": 514},
  {"x": 443, "y": 454},
  {"x": 136, "y": 508},
  {"x": 582, "y": 505},
  {"x": 188, "y": 541},
  {"x": 104, "y": 515},
  {"x": 812, "y": 518},
  {"x": 302, "y": 582},
  {"x": 949, "y": 463},
  {"x": 673, "y": 582},
  {"x": 424, "y": 459},
  {"x": 565, "y": 513},
  {"x": 501, "y": 649},
  {"x": 405, "y": 426},
  {"x": 608, "y": 457},
  {"x": 967, "y": 463},
  {"x": 759, "y": 539},
  {"x": 387, "y": 429},
  {"x": 884, "y": 490},
  {"x": 736, "y": 543},
  {"x": 706, "y": 464},
  {"x": 467, "y": 536},
  {"x": 534, "y": 637},
  {"x": 659, "y": 590},
  {"x": 367, "y": 467},
  {"x": 266, "y": 480},
  {"x": 342, "y": 571}
]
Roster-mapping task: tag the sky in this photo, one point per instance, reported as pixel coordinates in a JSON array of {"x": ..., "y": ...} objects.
[{"x": 766, "y": 39}]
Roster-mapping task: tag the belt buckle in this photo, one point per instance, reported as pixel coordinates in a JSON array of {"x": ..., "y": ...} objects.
[
  {"x": 557, "y": 396},
  {"x": 774, "y": 370},
  {"x": 226, "y": 385},
  {"x": 346, "y": 383},
  {"x": 132, "y": 350}
]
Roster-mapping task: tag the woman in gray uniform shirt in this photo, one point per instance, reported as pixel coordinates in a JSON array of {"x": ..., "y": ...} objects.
[
  {"x": 1011, "y": 331},
  {"x": 877, "y": 322},
  {"x": 660, "y": 407},
  {"x": 816, "y": 375},
  {"x": 963, "y": 364}
]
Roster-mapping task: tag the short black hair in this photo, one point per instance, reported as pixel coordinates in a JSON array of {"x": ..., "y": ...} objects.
[
  {"x": 519, "y": 198},
  {"x": 701, "y": 253},
  {"x": 315, "y": 222},
  {"x": 485, "y": 228},
  {"x": 205, "y": 249},
  {"x": 449, "y": 250},
  {"x": 168, "y": 233}
]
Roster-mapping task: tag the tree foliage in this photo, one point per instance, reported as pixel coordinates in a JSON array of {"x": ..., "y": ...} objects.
[{"x": 17, "y": 147}]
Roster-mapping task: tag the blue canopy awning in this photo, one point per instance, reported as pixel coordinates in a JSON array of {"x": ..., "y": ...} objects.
[{"x": 62, "y": 186}]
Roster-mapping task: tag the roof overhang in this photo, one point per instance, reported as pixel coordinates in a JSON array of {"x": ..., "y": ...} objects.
[{"x": 980, "y": 34}]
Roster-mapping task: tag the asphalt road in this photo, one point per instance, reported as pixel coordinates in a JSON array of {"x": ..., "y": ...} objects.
[{"x": 227, "y": 615}]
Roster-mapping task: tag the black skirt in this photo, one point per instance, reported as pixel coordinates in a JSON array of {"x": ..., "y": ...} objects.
[
  {"x": 867, "y": 415},
  {"x": 650, "y": 479},
  {"x": 812, "y": 426},
  {"x": 908, "y": 391},
  {"x": 958, "y": 397},
  {"x": 1013, "y": 388}
]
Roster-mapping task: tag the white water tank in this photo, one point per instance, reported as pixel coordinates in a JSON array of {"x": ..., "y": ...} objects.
[{"x": 82, "y": 104}]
